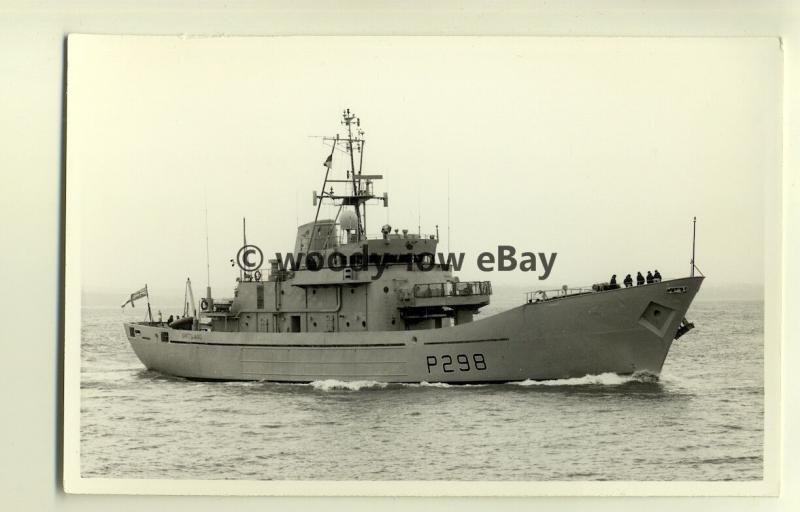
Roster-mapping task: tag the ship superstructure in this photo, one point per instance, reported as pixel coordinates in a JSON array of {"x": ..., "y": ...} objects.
[{"x": 334, "y": 287}]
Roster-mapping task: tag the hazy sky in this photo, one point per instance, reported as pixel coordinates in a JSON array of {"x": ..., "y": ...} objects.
[{"x": 601, "y": 150}]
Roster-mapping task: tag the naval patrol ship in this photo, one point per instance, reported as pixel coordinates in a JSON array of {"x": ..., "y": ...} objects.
[{"x": 330, "y": 318}]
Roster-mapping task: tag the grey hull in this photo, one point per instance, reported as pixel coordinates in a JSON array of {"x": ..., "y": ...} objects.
[{"x": 622, "y": 331}]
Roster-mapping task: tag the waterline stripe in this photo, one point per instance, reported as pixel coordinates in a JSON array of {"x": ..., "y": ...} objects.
[
  {"x": 462, "y": 341},
  {"x": 355, "y": 345},
  {"x": 316, "y": 376}
]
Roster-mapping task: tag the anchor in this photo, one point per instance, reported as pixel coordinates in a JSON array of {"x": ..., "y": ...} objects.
[{"x": 685, "y": 327}]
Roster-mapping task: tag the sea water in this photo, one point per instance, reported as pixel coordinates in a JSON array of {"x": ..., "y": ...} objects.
[{"x": 701, "y": 420}]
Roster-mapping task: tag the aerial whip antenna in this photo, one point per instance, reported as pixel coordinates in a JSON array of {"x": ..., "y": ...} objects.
[
  {"x": 448, "y": 211},
  {"x": 244, "y": 243},
  {"x": 208, "y": 264}
]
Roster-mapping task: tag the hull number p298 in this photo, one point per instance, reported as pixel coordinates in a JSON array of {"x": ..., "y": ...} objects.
[{"x": 461, "y": 362}]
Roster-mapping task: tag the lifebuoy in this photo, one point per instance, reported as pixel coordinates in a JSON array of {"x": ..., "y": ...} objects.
[{"x": 203, "y": 304}]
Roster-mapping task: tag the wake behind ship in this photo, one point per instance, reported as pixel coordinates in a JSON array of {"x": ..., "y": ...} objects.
[{"x": 330, "y": 318}]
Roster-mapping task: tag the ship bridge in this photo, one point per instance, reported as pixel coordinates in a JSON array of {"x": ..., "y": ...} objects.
[{"x": 325, "y": 237}]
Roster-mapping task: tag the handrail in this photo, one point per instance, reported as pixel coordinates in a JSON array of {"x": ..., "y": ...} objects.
[
  {"x": 565, "y": 291},
  {"x": 541, "y": 295},
  {"x": 452, "y": 289},
  {"x": 400, "y": 236}
]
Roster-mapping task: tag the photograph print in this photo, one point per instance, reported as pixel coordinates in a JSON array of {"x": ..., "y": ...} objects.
[{"x": 377, "y": 261}]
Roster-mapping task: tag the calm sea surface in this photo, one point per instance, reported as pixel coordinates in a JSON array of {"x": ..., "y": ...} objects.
[{"x": 703, "y": 420}]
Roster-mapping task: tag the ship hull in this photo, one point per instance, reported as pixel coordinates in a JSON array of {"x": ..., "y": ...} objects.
[{"x": 623, "y": 331}]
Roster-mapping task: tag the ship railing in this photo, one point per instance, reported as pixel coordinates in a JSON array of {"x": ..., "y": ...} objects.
[
  {"x": 345, "y": 238},
  {"x": 451, "y": 289},
  {"x": 564, "y": 291},
  {"x": 399, "y": 236}
]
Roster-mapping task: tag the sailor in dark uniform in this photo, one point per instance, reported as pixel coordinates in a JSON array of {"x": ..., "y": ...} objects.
[
  {"x": 613, "y": 284},
  {"x": 639, "y": 279},
  {"x": 656, "y": 277},
  {"x": 649, "y": 277},
  {"x": 628, "y": 281},
  {"x": 169, "y": 320}
]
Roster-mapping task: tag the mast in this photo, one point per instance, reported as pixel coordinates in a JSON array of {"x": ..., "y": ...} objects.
[
  {"x": 360, "y": 193},
  {"x": 348, "y": 121}
]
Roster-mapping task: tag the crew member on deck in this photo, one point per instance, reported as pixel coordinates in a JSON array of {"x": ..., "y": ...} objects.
[
  {"x": 613, "y": 284},
  {"x": 628, "y": 281},
  {"x": 639, "y": 279},
  {"x": 657, "y": 277},
  {"x": 169, "y": 320},
  {"x": 649, "y": 277}
]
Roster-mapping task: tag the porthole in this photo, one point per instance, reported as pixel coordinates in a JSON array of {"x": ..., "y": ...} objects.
[
  {"x": 393, "y": 321},
  {"x": 313, "y": 292},
  {"x": 385, "y": 289},
  {"x": 348, "y": 324},
  {"x": 315, "y": 324},
  {"x": 363, "y": 323},
  {"x": 352, "y": 290}
]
